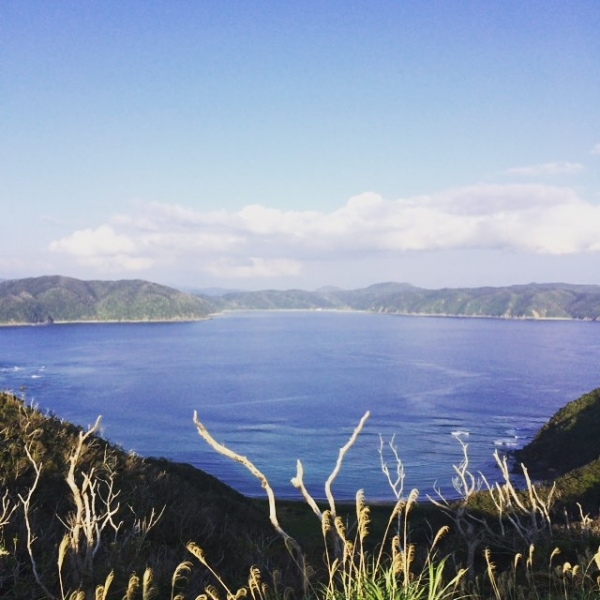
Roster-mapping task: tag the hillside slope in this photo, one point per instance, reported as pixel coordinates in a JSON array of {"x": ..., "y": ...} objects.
[
  {"x": 567, "y": 450},
  {"x": 193, "y": 506},
  {"x": 61, "y": 299},
  {"x": 55, "y": 299},
  {"x": 569, "y": 440},
  {"x": 533, "y": 301}
]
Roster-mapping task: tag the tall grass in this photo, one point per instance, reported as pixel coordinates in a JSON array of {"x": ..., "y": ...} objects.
[
  {"x": 494, "y": 542},
  {"x": 501, "y": 519}
]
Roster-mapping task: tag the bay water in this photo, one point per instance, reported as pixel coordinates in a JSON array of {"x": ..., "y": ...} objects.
[{"x": 281, "y": 386}]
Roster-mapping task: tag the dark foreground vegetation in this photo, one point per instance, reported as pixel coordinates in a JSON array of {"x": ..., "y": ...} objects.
[
  {"x": 66, "y": 492},
  {"x": 82, "y": 519},
  {"x": 40, "y": 300}
]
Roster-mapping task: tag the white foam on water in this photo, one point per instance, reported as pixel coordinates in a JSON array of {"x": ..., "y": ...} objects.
[
  {"x": 460, "y": 433},
  {"x": 506, "y": 442}
]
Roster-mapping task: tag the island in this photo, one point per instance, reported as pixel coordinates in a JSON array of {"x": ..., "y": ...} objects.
[{"x": 58, "y": 299}]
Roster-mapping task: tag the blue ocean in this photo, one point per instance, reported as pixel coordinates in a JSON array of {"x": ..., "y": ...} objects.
[{"x": 278, "y": 387}]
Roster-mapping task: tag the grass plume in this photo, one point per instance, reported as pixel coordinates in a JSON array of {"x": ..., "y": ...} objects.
[{"x": 65, "y": 484}]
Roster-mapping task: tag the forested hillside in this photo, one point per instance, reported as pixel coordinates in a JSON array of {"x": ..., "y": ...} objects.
[
  {"x": 567, "y": 449},
  {"x": 64, "y": 299},
  {"x": 534, "y": 301}
]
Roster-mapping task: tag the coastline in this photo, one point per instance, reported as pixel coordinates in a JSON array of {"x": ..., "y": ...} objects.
[
  {"x": 331, "y": 310},
  {"x": 104, "y": 322}
]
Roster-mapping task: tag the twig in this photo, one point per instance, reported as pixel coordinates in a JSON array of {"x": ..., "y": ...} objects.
[
  {"x": 338, "y": 464},
  {"x": 290, "y": 542},
  {"x": 26, "y": 502}
]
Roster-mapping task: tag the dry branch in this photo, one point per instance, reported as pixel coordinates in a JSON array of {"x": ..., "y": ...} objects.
[{"x": 290, "y": 542}]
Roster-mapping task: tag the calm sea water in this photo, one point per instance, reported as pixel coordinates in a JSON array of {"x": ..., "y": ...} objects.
[{"x": 282, "y": 386}]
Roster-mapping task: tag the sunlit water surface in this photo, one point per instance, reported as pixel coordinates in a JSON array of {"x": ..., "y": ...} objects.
[{"x": 282, "y": 386}]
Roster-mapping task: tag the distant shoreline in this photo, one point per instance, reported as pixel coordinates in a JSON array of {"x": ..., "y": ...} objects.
[
  {"x": 66, "y": 300},
  {"x": 294, "y": 310},
  {"x": 104, "y": 322},
  {"x": 400, "y": 314}
]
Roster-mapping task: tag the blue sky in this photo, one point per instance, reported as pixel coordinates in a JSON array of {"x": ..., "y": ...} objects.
[{"x": 275, "y": 145}]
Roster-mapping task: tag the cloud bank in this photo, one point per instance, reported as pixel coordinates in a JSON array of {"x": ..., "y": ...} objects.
[{"x": 258, "y": 241}]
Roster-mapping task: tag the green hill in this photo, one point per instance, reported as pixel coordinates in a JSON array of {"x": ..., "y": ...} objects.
[
  {"x": 533, "y": 301},
  {"x": 567, "y": 450},
  {"x": 62, "y": 299},
  {"x": 193, "y": 506}
]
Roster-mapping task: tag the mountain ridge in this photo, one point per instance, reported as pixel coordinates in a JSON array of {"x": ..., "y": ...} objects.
[
  {"x": 525, "y": 301},
  {"x": 54, "y": 299}
]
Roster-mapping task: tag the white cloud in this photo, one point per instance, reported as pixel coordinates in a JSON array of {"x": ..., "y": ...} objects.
[
  {"x": 254, "y": 267},
  {"x": 595, "y": 149},
  {"x": 102, "y": 248},
  {"x": 550, "y": 168},
  {"x": 258, "y": 241},
  {"x": 103, "y": 241}
]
